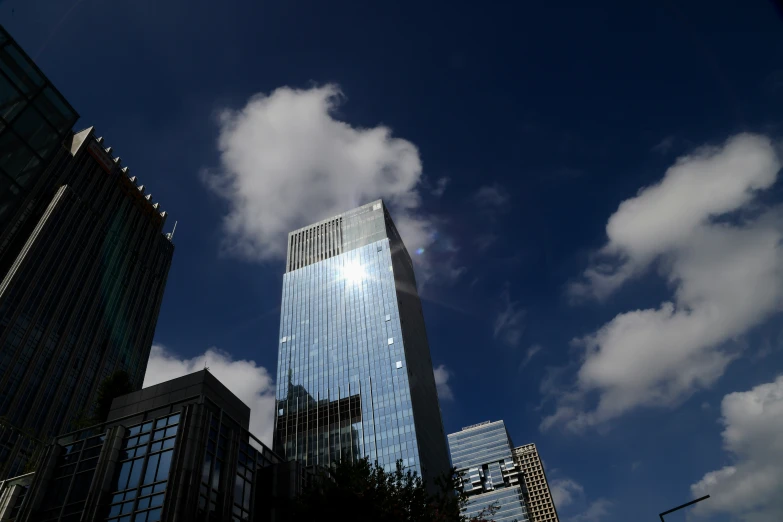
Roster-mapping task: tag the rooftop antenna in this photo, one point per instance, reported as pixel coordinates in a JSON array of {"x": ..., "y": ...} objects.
[{"x": 170, "y": 235}]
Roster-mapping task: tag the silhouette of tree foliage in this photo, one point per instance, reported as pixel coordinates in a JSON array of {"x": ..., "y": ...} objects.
[
  {"x": 115, "y": 385},
  {"x": 360, "y": 491}
]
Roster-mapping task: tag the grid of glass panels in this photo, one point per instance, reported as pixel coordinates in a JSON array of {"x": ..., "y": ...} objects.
[
  {"x": 509, "y": 501},
  {"x": 343, "y": 383},
  {"x": 480, "y": 445},
  {"x": 71, "y": 480},
  {"x": 490, "y": 474},
  {"x": 139, "y": 483},
  {"x": 214, "y": 468},
  {"x": 217, "y": 476}
]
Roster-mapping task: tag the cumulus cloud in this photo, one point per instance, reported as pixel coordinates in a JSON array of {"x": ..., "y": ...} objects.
[
  {"x": 720, "y": 252},
  {"x": 251, "y": 383},
  {"x": 287, "y": 161},
  {"x": 666, "y": 217},
  {"x": 565, "y": 491},
  {"x": 750, "y": 487},
  {"x": 509, "y": 323},
  {"x": 442, "y": 383}
]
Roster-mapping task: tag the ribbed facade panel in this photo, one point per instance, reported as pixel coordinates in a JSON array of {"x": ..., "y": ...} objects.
[{"x": 80, "y": 299}]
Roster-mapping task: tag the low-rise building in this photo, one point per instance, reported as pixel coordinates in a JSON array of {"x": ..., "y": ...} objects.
[{"x": 177, "y": 451}]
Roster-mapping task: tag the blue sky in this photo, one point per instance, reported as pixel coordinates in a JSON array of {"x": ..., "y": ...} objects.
[{"x": 512, "y": 142}]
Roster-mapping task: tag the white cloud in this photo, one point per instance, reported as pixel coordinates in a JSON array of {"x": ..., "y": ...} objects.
[
  {"x": 509, "y": 322},
  {"x": 531, "y": 352},
  {"x": 664, "y": 146},
  {"x": 442, "y": 383},
  {"x": 565, "y": 491},
  {"x": 721, "y": 254},
  {"x": 251, "y": 383},
  {"x": 287, "y": 161},
  {"x": 595, "y": 512},
  {"x": 491, "y": 196},
  {"x": 666, "y": 217},
  {"x": 750, "y": 487},
  {"x": 440, "y": 187}
]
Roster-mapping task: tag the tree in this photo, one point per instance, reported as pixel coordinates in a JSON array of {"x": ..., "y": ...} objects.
[
  {"x": 113, "y": 386},
  {"x": 359, "y": 491}
]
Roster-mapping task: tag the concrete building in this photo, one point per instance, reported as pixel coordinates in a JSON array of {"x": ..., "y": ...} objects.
[
  {"x": 83, "y": 264},
  {"x": 178, "y": 451},
  {"x": 490, "y": 476},
  {"x": 541, "y": 508},
  {"x": 354, "y": 374}
]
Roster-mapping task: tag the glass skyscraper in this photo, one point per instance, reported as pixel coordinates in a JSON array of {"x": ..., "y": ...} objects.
[
  {"x": 354, "y": 372},
  {"x": 491, "y": 477}
]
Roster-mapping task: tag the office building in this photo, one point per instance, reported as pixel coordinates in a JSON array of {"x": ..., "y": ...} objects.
[
  {"x": 83, "y": 263},
  {"x": 354, "y": 372},
  {"x": 178, "y": 451},
  {"x": 35, "y": 120},
  {"x": 490, "y": 477},
  {"x": 81, "y": 298},
  {"x": 541, "y": 508}
]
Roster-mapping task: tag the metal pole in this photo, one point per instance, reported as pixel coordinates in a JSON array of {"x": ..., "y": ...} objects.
[{"x": 683, "y": 506}]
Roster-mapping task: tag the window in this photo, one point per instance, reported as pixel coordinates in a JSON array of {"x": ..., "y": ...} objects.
[
  {"x": 391, "y": 340},
  {"x": 399, "y": 364}
]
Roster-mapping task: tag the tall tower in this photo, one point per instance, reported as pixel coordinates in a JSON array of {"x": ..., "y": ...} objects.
[
  {"x": 540, "y": 504},
  {"x": 354, "y": 371},
  {"x": 35, "y": 121},
  {"x": 491, "y": 477},
  {"x": 81, "y": 297}
]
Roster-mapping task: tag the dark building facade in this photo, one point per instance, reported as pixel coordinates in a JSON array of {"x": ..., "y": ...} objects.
[
  {"x": 80, "y": 298},
  {"x": 354, "y": 375},
  {"x": 490, "y": 475},
  {"x": 177, "y": 451},
  {"x": 35, "y": 120},
  {"x": 83, "y": 263}
]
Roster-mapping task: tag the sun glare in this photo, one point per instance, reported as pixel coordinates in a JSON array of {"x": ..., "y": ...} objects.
[{"x": 354, "y": 272}]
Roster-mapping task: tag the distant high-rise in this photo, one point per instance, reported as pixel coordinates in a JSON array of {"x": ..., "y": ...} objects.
[
  {"x": 354, "y": 372},
  {"x": 482, "y": 453},
  {"x": 88, "y": 262},
  {"x": 541, "y": 508}
]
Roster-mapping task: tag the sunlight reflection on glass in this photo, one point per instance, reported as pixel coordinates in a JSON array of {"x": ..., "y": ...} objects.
[{"x": 354, "y": 272}]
